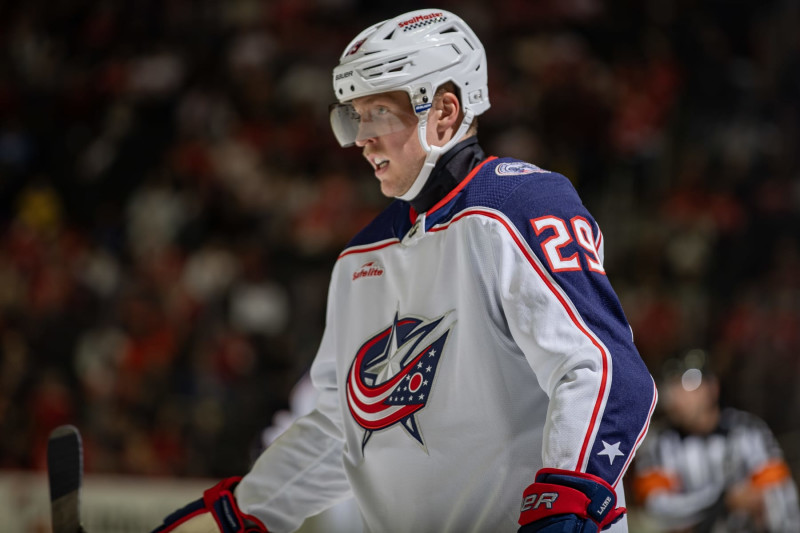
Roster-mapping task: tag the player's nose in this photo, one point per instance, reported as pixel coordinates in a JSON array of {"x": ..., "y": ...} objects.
[
  {"x": 363, "y": 141},
  {"x": 366, "y": 133}
]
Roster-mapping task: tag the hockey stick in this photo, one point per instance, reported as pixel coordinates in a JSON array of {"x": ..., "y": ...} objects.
[{"x": 65, "y": 474}]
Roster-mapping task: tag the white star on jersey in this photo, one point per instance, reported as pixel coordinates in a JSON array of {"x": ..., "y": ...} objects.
[
  {"x": 391, "y": 362},
  {"x": 612, "y": 451}
]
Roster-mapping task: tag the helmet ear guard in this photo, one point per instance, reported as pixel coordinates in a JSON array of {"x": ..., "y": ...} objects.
[{"x": 421, "y": 96}]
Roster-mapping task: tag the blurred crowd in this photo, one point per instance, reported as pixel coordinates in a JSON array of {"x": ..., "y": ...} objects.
[{"x": 172, "y": 200}]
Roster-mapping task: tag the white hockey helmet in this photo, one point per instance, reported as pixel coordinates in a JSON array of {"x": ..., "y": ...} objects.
[{"x": 415, "y": 52}]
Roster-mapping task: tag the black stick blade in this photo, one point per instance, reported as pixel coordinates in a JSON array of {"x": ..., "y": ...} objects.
[{"x": 65, "y": 473}]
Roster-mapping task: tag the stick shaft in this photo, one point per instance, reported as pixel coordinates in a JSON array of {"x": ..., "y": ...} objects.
[{"x": 65, "y": 473}]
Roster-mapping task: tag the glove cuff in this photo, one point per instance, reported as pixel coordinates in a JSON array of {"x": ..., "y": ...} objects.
[
  {"x": 221, "y": 500},
  {"x": 557, "y": 492}
]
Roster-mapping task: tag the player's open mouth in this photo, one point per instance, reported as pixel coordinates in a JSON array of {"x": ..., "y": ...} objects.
[{"x": 380, "y": 164}]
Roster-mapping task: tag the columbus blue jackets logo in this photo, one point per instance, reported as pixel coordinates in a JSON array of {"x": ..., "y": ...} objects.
[
  {"x": 391, "y": 378},
  {"x": 517, "y": 168}
]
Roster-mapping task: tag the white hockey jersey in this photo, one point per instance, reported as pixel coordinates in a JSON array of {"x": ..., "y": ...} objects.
[{"x": 464, "y": 349}]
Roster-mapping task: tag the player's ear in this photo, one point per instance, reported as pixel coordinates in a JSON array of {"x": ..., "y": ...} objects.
[
  {"x": 450, "y": 110},
  {"x": 447, "y": 111}
]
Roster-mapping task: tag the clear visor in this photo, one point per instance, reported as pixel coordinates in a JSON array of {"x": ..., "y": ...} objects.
[{"x": 350, "y": 127}]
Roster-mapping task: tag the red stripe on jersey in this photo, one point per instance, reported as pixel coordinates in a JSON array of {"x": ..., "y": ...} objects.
[
  {"x": 369, "y": 249},
  {"x": 384, "y": 422}
]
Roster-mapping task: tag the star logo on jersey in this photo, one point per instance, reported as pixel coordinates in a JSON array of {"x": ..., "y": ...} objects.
[
  {"x": 611, "y": 451},
  {"x": 392, "y": 374}
]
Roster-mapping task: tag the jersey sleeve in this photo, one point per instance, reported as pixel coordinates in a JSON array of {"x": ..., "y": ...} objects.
[
  {"x": 564, "y": 314},
  {"x": 301, "y": 473}
]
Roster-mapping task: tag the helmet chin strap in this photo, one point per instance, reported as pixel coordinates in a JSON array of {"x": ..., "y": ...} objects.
[{"x": 434, "y": 153}]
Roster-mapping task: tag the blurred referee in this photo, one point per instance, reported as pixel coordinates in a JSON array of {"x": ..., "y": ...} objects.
[{"x": 711, "y": 469}]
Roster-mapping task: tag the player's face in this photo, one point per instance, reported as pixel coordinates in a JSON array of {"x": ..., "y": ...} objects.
[{"x": 396, "y": 157}]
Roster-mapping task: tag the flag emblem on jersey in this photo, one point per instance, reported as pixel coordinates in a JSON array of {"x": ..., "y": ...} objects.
[
  {"x": 392, "y": 374},
  {"x": 517, "y": 168}
]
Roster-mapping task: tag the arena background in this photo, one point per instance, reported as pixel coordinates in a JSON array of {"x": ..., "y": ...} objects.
[{"x": 172, "y": 201}]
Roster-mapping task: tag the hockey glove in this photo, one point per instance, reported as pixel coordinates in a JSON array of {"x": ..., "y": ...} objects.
[
  {"x": 563, "y": 501},
  {"x": 217, "y": 506}
]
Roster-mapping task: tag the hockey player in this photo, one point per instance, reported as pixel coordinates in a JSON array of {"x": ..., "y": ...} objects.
[
  {"x": 711, "y": 469},
  {"x": 477, "y": 372}
]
